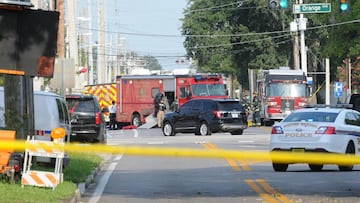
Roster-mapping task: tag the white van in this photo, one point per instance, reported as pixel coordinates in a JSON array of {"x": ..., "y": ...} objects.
[{"x": 50, "y": 111}]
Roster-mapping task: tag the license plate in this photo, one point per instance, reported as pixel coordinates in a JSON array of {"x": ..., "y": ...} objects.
[
  {"x": 298, "y": 150},
  {"x": 234, "y": 115}
]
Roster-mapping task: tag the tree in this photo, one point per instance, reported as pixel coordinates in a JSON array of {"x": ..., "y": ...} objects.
[
  {"x": 228, "y": 37},
  {"x": 151, "y": 63}
]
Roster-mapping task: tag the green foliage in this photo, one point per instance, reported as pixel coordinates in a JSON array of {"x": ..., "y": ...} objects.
[
  {"x": 80, "y": 167},
  {"x": 231, "y": 37},
  {"x": 151, "y": 63}
]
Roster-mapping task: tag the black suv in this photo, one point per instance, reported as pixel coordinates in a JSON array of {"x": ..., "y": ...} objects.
[
  {"x": 354, "y": 99},
  {"x": 206, "y": 116},
  {"x": 87, "y": 120}
]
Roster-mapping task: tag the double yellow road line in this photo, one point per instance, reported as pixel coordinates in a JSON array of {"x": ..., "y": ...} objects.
[
  {"x": 232, "y": 162},
  {"x": 266, "y": 192},
  {"x": 260, "y": 186}
]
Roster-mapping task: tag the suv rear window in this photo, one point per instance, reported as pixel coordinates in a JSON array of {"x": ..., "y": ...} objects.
[
  {"x": 230, "y": 106},
  {"x": 81, "y": 105}
]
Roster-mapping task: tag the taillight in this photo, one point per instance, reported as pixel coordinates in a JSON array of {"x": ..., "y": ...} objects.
[
  {"x": 16, "y": 168},
  {"x": 97, "y": 118},
  {"x": 277, "y": 130},
  {"x": 218, "y": 114},
  {"x": 325, "y": 130}
]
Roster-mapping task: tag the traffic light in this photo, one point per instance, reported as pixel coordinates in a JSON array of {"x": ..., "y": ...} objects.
[
  {"x": 276, "y": 4},
  {"x": 344, "y": 6},
  {"x": 284, "y": 4}
]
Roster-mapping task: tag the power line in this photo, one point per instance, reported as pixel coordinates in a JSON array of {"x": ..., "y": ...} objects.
[
  {"x": 220, "y": 35},
  {"x": 238, "y": 3},
  {"x": 232, "y": 35}
]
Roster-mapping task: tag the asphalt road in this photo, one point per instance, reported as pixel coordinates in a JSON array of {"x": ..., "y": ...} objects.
[{"x": 147, "y": 179}]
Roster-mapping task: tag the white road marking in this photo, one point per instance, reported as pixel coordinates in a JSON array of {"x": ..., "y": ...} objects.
[
  {"x": 136, "y": 133},
  {"x": 245, "y": 141},
  {"x": 201, "y": 142},
  {"x": 103, "y": 180},
  {"x": 155, "y": 142}
]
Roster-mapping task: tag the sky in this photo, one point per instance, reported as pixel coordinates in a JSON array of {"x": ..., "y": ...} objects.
[{"x": 147, "y": 27}]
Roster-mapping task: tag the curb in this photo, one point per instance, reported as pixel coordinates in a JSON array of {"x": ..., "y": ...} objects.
[{"x": 81, "y": 187}]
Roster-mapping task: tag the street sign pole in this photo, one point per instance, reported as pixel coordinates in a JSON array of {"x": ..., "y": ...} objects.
[
  {"x": 302, "y": 29},
  {"x": 301, "y": 22}
]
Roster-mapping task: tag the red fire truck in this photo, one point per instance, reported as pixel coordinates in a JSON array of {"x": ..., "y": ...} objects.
[
  {"x": 280, "y": 92},
  {"x": 136, "y": 93}
]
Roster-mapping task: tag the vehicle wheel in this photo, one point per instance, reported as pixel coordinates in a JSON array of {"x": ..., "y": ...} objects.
[
  {"x": 135, "y": 120},
  {"x": 350, "y": 149},
  {"x": 168, "y": 129},
  {"x": 237, "y": 132},
  {"x": 280, "y": 167},
  {"x": 316, "y": 167},
  {"x": 203, "y": 129}
]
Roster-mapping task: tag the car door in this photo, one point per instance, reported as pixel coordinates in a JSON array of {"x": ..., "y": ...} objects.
[
  {"x": 184, "y": 118},
  {"x": 347, "y": 130}
]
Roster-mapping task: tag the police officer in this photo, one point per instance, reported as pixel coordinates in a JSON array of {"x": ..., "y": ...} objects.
[
  {"x": 245, "y": 104},
  {"x": 256, "y": 110}
]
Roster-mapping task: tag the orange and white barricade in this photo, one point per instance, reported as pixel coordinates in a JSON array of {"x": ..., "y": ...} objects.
[{"x": 41, "y": 148}]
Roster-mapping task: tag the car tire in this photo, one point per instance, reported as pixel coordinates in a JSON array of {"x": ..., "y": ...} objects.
[
  {"x": 237, "y": 132},
  {"x": 168, "y": 129},
  {"x": 135, "y": 120},
  {"x": 280, "y": 167},
  {"x": 316, "y": 167},
  {"x": 203, "y": 129},
  {"x": 350, "y": 150}
]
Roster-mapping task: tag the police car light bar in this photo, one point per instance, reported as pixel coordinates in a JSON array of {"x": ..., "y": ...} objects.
[{"x": 346, "y": 106}]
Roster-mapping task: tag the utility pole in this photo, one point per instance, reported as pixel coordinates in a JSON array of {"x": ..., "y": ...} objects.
[
  {"x": 101, "y": 40},
  {"x": 117, "y": 52},
  {"x": 90, "y": 55},
  {"x": 296, "y": 50},
  {"x": 327, "y": 81},
  {"x": 61, "y": 36},
  {"x": 73, "y": 47},
  {"x": 302, "y": 28}
]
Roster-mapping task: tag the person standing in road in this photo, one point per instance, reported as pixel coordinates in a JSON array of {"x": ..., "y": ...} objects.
[
  {"x": 112, "y": 111},
  {"x": 160, "y": 113},
  {"x": 256, "y": 110}
]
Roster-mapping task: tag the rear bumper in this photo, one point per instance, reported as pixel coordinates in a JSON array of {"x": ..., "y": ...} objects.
[
  {"x": 307, "y": 147},
  {"x": 227, "y": 127},
  {"x": 85, "y": 133}
]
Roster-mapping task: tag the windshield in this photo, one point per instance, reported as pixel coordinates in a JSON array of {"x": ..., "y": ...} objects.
[
  {"x": 286, "y": 89},
  {"x": 208, "y": 90}
]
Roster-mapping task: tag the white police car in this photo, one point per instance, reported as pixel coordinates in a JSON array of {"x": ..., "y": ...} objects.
[{"x": 333, "y": 129}]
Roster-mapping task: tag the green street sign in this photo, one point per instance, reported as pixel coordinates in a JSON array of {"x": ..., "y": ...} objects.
[{"x": 312, "y": 8}]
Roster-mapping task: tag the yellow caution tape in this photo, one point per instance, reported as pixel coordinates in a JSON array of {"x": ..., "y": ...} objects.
[{"x": 278, "y": 157}]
